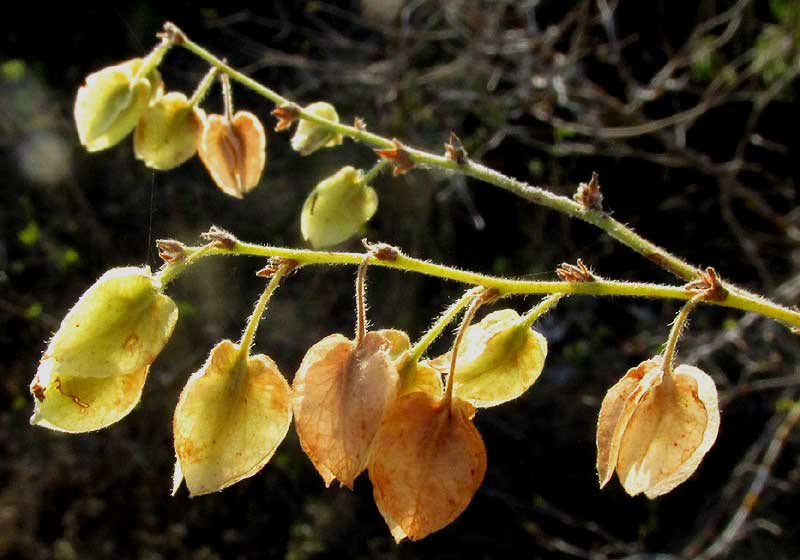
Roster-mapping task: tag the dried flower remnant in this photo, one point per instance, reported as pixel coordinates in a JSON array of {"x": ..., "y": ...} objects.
[
  {"x": 654, "y": 427},
  {"x": 231, "y": 417},
  {"x": 117, "y": 327},
  {"x": 110, "y": 103},
  {"x": 310, "y": 136},
  {"x": 168, "y": 132},
  {"x": 234, "y": 151},
  {"x": 338, "y": 208},
  {"x": 82, "y": 404}
]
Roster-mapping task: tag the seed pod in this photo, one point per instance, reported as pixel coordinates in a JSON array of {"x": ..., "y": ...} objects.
[
  {"x": 110, "y": 103},
  {"x": 337, "y": 208},
  {"x": 168, "y": 132},
  {"x": 498, "y": 360},
  {"x": 427, "y": 462},
  {"x": 117, "y": 328},
  {"x": 234, "y": 152},
  {"x": 340, "y": 393},
  {"x": 231, "y": 417},
  {"x": 654, "y": 429},
  {"x": 84, "y": 404},
  {"x": 310, "y": 137}
]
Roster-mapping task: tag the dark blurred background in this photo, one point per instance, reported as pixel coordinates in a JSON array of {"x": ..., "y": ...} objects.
[{"x": 688, "y": 112}]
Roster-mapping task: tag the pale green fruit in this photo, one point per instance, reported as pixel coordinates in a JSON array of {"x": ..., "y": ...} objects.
[
  {"x": 75, "y": 404},
  {"x": 337, "y": 208},
  {"x": 231, "y": 417},
  {"x": 310, "y": 137},
  {"x": 117, "y": 327},
  {"x": 110, "y": 103},
  {"x": 168, "y": 132},
  {"x": 498, "y": 360}
]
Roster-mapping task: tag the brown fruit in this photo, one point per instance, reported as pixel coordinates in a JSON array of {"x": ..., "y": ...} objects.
[
  {"x": 339, "y": 396},
  {"x": 427, "y": 462},
  {"x": 654, "y": 428},
  {"x": 234, "y": 152}
]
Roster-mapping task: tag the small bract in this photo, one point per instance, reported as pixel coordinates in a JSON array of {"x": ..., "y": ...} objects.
[
  {"x": 654, "y": 428},
  {"x": 231, "y": 417},
  {"x": 339, "y": 396},
  {"x": 168, "y": 132},
  {"x": 234, "y": 152},
  {"x": 498, "y": 360},
  {"x": 110, "y": 103},
  {"x": 427, "y": 462},
  {"x": 337, "y": 208},
  {"x": 117, "y": 327},
  {"x": 310, "y": 137}
]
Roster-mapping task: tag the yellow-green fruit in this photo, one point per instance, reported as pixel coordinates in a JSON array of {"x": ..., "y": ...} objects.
[
  {"x": 84, "y": 404},
  {"x": 168, "y": 132},
  {"x": 117, "y": 327},
  {"x": 337, "y": 208},
  {"x": 498, "y": 360},
  {"x": 231, "y": 417},
  {"x": 310, "y": 137},
  {"x": 110, "y": 103}
]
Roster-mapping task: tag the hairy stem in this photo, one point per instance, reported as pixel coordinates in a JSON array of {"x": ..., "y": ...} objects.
[
  {"x": 441, "y": 323},
  {"x": 361, "y": 303},
  {"x": 505, "y": 286},
  {"x": 252, "y": 323},
  {"x": 543, "y": 307},
  {"x": 675, "y": 332},
  {"x": 465, "y": 322}
]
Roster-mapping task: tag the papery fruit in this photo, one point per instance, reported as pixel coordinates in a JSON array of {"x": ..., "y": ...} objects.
[
  {"x": 110, "y": 103},
  {"x": 75, "y": 404},
  {"x": 234, "y": 152},
  {"x": 310, "y": 137},
  {"x": 427, "y": 462},
  {"x": 337, "y": 208},
  {"x": 232, "y": 415},
  {"x": 117, "y": 328},
  {"x": 340, "y": 393},
  {"x": 654, "y": 428},
  {"x": 498, "y": 360},
  {"x": 168, "y": 132}
]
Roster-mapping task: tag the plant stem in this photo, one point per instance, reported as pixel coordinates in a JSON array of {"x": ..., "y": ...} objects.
[
  {"x": 374, "y": 171},
  {"x": 361, "y": 303},
  {"x": 155, "y": 57},
  {"x": 675, "y": 332},
  {"x": 537, "y": 195},
  {"x": 203, "y": 87},
  {"x": 505, "y": 286},
  {"x": 543, "y": 307},
  {"x": 252, "y": 323},
  {"x": 477, "y": 301},
  {"x": 441, "y": 323},
  {"x": 227, "y": 97}
]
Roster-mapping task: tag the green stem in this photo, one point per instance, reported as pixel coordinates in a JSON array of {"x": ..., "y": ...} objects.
[
  {"x": 537, "y": 195},
  {"x": 155, "y": 57},
  {"x": 252, "y": 323},
  {"x": 477, "y": 301},
  {"x": 543, "y": 307},
  {"x": 531, "y": 193},
  {"x": 675, "y": 332},
  {"x": 172, "y": 270},
  {"x": 203, "y": 87},
  {"x": 505, "y": 286},
  {"x": 441, "y": 323},
  {"x": 374, "y": 171}
]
